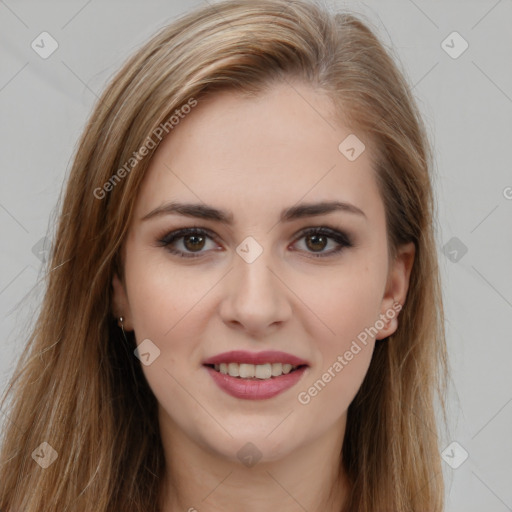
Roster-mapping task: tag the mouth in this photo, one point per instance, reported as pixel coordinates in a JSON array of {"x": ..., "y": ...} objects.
[
  {"x": 255, "y": 375},
  {"x": 245, "y": 371}
]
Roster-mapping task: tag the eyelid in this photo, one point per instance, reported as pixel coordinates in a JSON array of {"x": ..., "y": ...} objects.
[
  {"x": 339, "y": 236},
  {"x": 179, "y": 232},
  {"x": 327, "y": 230}
]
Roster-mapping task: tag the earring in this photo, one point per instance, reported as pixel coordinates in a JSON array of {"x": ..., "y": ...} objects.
[{"x": 121, "y": 319}]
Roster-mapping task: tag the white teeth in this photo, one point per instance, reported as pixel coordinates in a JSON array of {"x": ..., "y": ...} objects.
[
  {"x": 263, "y": 371},
  {"x": 251, "y": 371},
  {"x": 234, "y": 369},
  {"x": 277, "y": 369},
  {"x": 247, "y": 371},
  {"x": 287, "y": 368}
]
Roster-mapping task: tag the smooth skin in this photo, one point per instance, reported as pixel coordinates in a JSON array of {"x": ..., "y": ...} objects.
[{"x": 254, "y": 157}]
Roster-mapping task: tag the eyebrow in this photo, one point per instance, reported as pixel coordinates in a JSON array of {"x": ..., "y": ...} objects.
[{"x": 203, "y": 211}]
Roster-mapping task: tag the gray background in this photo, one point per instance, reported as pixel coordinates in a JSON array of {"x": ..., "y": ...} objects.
[{"x": 466, "y": 102}]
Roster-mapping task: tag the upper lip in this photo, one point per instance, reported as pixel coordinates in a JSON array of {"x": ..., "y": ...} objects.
[{"x": 242, "y": 356}]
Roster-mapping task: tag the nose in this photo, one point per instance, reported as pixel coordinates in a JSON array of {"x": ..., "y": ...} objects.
[{"x": 256, "y": 300}]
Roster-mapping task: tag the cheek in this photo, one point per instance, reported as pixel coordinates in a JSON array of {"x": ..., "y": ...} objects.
[
  {"x": 165, "y": 304},
  {"x": 345, "y": 301},
  {"x": 348, "y": 305},
  {"x": 343, "y": 363},
  {"x": 161, "y": 295},
  {"x": 169, "y": 306}
]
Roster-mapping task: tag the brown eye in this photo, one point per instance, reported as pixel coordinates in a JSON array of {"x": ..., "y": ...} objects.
[
  {"x": 187, "y": 242},
  {"x": 317, "y": 239},
  {"x": 318, "y": 242},
  {"x": 194, "y": 242}
]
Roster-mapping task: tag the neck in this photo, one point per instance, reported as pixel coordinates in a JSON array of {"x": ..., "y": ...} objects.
[{"x": 309, "y": 478}]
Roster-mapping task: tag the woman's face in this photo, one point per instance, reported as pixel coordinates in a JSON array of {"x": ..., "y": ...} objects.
[{"x": 307, "y": 286}]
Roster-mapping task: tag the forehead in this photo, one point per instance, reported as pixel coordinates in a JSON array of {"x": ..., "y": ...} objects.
[{"x": 260, "y": 154}]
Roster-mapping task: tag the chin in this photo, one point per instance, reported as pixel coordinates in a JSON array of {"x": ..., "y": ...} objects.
[{"x": 252, "y": 447}]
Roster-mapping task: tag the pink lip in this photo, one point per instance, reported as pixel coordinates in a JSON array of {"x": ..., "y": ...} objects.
[
  {"x": 255, "y": 389},
  {"x": 269, "y": 356}
]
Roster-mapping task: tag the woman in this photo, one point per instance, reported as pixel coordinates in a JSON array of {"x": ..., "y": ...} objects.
[{"x": 243, "y": 305}]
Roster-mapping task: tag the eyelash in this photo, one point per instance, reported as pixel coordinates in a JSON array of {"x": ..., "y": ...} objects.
[{"x": 339, "y": 237}]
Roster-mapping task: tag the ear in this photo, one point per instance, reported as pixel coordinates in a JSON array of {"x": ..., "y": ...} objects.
[
  {"x": 396, "y": 289},
  {"x": 120, "y": 304}
]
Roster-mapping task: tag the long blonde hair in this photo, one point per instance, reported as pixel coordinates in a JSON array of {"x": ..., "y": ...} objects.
[{"x": 78, "y": 386}]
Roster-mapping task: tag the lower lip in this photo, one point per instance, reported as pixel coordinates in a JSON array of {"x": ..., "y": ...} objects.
[{"x": 257, "y": 389}]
